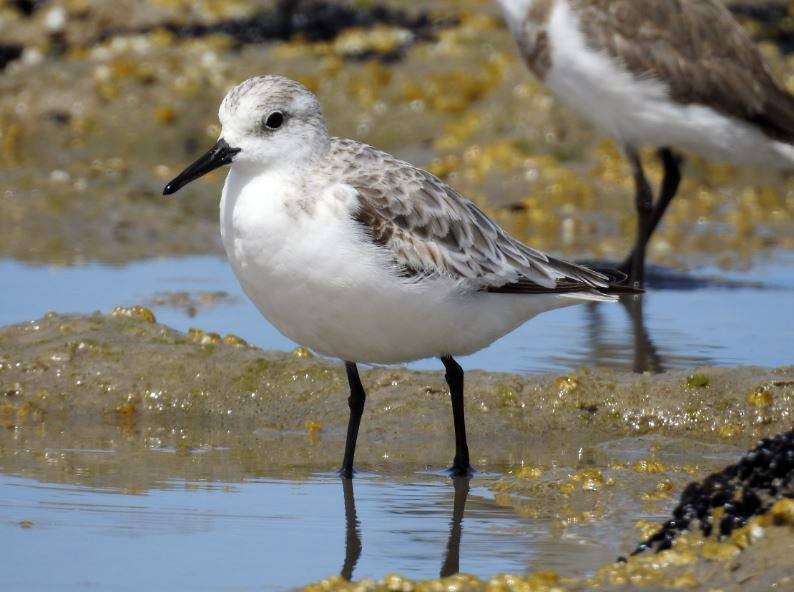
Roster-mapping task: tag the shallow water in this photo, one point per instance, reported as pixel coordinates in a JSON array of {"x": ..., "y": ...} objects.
[
  {"x": 264, "y": 534},
  {"x": 728, "y": 318}
]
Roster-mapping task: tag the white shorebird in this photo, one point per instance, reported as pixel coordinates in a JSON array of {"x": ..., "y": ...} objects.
[
  {"x": 360, "y": 256},
  {"x": 664, "y": 73}
]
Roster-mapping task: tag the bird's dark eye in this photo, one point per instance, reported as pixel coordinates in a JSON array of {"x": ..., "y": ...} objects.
[{"x": 274, "y": 120}]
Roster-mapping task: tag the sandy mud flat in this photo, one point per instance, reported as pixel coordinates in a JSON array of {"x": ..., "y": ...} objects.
[{"x": 579, "y": 450}]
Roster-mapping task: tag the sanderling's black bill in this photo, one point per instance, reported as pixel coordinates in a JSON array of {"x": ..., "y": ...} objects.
[{"x": 219, "y": 155}]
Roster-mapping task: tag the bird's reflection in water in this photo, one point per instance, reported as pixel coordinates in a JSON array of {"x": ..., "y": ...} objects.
[
  {"x": 451, "y": 563},
  {"x": 635, "y": 349},
  {"x": 353, "y": 547},
  {"x": 352, "y": 531},
  {"x": 605, "y": 346},
  {"x": 641, "y": 354},
  {"x": 646, "y": 355}
]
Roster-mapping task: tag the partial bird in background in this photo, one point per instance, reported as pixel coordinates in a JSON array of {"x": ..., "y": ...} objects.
[{"x": 672, "y": 74}]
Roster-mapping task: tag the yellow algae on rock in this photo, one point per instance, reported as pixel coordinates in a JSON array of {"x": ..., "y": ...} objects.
[
  {"x": 717, "y": 551},
  {"x": 203, "y": 337},
  {"x": 312, "y": 426},
  {"x": 782, "y": 512},
  {"x": 378, "y": 40},
  {"x": 646, "y": 528},
  {"x": 136, "y": 311},
  {"x": 566, "y": 385},
  {"x": 529, "y": 473},
  {"x": 662, "y": 490},
  {"x": 648, "y": 466},
  {"x": 232, "y": 339},
  {"x": 301, "y": 353},
  {"x": 125, "y": 410},
  {"x": 30, "y": 412},
  {"x": 164, "y": 114},
  {"x": 760, "y": 397},
  {"x": 729, "y": 431},
  {"x": 590, "y": 479}
]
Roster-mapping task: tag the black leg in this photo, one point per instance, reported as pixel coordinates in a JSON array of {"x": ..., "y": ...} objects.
[
  {"x": 352, "y": 532},
  {"x": 670, "y": 182},
  {"x": 454, "y": 376},
  {"x": 451, "y": 564},
  {"x": 635, "y": 267},
  {"x": 672, "y": 179},
  {"x": 356, "y": 404}
]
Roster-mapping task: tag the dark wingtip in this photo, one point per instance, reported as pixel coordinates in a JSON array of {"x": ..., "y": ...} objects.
[{"x": 618, "y": 281}]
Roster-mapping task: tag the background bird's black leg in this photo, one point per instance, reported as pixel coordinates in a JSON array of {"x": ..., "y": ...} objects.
[
  {"x": 454, "y": 376},
  {"x": 352, "y": 531},
  {"x": 670, "y": 182},
  {"x": 356, "y": 404},
  {"x": 451, "y": 564},
  {"x": 635, "y": 268}
]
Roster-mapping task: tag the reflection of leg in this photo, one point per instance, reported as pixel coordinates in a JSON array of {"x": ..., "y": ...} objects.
[
  {"x": 454, "y": 376},
  {"x": 646, "y": 356},
  {"x": 643, "y": 201},
  {"x": 352, "y": 531},
  {"x": 451, "y": 564},
  {"x": 356, "y": 404},
  {"x": 670, "y": 183},
  {"x": 594, "y": 331}
]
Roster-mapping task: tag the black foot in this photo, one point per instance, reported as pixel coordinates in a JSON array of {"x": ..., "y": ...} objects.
[
  {"x": 346, "y": 473},
  {"x": 461, "y": 471}
]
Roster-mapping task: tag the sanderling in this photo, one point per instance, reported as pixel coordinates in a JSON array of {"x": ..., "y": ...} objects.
[
  {"x": 360, "y": 256},
  {"x": 664, "y": 73}
]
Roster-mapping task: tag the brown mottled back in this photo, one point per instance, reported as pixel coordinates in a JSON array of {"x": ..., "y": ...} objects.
[
  {"x": 698, "y": 49},
  {"x": 429, "y": 229}
]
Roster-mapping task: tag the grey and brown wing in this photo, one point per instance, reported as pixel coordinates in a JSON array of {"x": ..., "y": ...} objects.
[
  {"x": 698, "y": 50},
  {"x": 431, "y": 230}
]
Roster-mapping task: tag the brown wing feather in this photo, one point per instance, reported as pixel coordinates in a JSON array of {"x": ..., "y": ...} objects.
[
  {"x": 698, "y": 49},
  {"x": 430, "y": 229}
]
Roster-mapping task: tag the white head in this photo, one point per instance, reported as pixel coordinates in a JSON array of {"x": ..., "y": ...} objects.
[{"x": 266, "y": 122}]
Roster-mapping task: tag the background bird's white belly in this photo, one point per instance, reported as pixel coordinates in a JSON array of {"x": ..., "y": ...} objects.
[
  {"x": 323, "y": 287},
  {"x": 638, "y": 110}
]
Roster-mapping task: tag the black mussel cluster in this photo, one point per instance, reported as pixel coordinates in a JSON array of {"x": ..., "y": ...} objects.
[{"x": 746, "y": 489}]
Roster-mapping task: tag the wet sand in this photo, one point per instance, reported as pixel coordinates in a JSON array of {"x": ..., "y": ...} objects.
[{"x": 582, "y": 451}]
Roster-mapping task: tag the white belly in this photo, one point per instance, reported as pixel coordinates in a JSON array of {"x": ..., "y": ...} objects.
[
  {"x": 323, "y": 288},
  {"x": 637, "y": 111}
]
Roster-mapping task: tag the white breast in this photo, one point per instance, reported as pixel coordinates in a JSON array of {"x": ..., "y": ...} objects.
[
  {"x": 639, "y": 111},
  {"x": 318, "y": 280}
]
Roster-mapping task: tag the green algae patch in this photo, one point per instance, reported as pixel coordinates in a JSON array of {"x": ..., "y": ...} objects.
[{"x": 697, "y": 380}]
